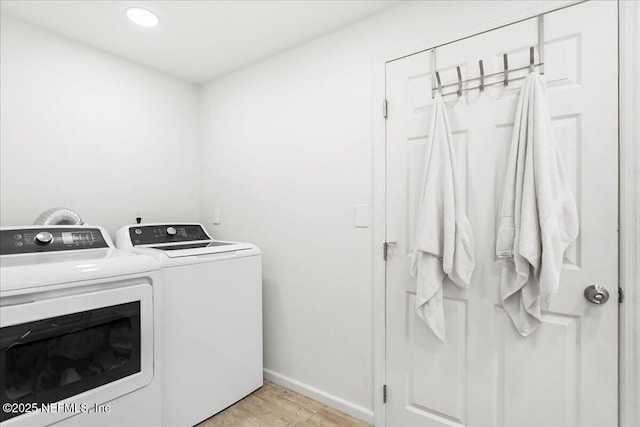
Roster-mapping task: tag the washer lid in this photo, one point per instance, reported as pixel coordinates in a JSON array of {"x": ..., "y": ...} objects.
[{"x": 200, "y": 248}]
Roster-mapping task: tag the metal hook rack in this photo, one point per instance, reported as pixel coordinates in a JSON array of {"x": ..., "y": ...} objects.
[{"x": 438, "y": 86}]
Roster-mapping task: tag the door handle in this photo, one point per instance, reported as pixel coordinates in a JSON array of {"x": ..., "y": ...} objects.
[{"x": 596, "y": 294}]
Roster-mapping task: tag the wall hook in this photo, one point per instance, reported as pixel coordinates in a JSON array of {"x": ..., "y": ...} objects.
[
  {"x": 433, "y": 73},
  {"x": 505, "y": 60},
  {"x": 531, "y": 60},
  {"x": 459, "y": 81},
  {"x": 439, "y": 82},
  {"x": 481, "y": 65}
]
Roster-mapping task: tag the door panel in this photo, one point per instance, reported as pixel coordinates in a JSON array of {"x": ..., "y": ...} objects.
[{"x": 485, "y": 373}]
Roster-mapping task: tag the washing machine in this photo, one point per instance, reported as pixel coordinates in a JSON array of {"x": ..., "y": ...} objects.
[
  {"x": 212, "y": 310},
  {"x": 79, "y": 342}
]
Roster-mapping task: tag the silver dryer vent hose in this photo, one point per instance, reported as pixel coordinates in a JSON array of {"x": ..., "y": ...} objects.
[{"x": 59, "y": 216}]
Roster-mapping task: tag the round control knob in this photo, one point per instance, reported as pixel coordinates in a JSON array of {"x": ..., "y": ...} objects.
[
  {"x": 171, "y": 231},
  {"x": 44, "y": 238}
]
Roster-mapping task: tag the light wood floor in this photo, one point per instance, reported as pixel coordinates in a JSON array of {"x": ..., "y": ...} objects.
[{"x": 275, "y": 406}]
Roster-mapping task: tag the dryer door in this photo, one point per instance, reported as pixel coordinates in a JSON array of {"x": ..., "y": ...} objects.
[{"x": 64, "y": 356}]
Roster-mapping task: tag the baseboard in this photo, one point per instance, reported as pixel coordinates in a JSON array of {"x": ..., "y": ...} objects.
[{"x": 335, "y": 402}]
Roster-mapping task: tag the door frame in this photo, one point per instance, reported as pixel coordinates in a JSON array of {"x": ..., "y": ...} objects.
[
  {"x": 629, "y": 195},
  {"x": 629, "y": 269}
]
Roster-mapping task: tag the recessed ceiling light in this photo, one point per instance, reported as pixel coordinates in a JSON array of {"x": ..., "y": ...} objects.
[{"x": 142, "y": 17}]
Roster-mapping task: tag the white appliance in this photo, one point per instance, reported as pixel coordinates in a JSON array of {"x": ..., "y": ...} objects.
[
  {"x": 77, "y": 344},
  {"x": 212, "y": 335}
]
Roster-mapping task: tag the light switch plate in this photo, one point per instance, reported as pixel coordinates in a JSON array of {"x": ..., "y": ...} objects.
[
  {"x": 217, "y": 215},
  {"x": 362, "y": 216}
]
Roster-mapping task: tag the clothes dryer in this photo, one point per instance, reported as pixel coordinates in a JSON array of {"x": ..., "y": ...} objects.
[{"x": 79, "y": 341}]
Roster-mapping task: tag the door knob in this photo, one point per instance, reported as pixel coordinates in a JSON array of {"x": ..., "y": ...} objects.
[{"x": 596, "y": 294}]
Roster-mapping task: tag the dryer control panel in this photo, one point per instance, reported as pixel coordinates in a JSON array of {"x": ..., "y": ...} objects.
[
  {"x": 50, "y": 239},
  {"x": 166, "y": 233}
]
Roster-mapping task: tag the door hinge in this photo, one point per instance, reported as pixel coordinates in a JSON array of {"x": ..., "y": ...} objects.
[
  {"x": 384, "y": 393},
  {"x": 620, "y": 295},
  {"x": 385, "y": 106}
]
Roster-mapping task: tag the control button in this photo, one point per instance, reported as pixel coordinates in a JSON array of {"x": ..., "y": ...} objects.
[
  {"x": 138, "y": 231},
  {"x": 44, "y": 238},
  {"x": 17, "y": 236},
  {"x": 18, "y": 244},
  {"x": 171, "y": 231}
]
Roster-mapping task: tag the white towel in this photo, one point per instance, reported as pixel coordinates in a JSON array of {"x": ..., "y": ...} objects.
[
  {"x": 539, "y": 217},
  {"x": 443, "y": 241}
]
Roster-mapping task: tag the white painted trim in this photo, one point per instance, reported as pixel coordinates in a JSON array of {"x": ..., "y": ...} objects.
[
  {"x": 629, "y": 49},
  {"x": 319, "y": 395},
  {"x": 632, "y": 329},
  {"x": 379, "y": 236}
]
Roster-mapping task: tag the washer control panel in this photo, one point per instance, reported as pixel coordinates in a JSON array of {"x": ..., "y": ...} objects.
[
  {"x": 50, "y": 239},
  {"x": 166, "y": 233}
]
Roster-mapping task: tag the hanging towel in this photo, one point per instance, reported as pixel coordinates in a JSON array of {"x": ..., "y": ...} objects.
[
  {"x": 443, "y": 241},
  {"x": 539, "y": 216}
]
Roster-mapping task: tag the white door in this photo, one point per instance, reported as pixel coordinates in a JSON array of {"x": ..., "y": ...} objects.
[{"x": 565, "y": 373}]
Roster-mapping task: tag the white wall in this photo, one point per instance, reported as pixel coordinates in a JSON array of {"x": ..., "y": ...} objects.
[
  {"x": 287, "y": 152},
  {"x": 88, "y": 131}
]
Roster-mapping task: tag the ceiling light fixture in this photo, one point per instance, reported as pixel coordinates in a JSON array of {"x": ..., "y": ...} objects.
[{"x": 142, "y": 17}]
